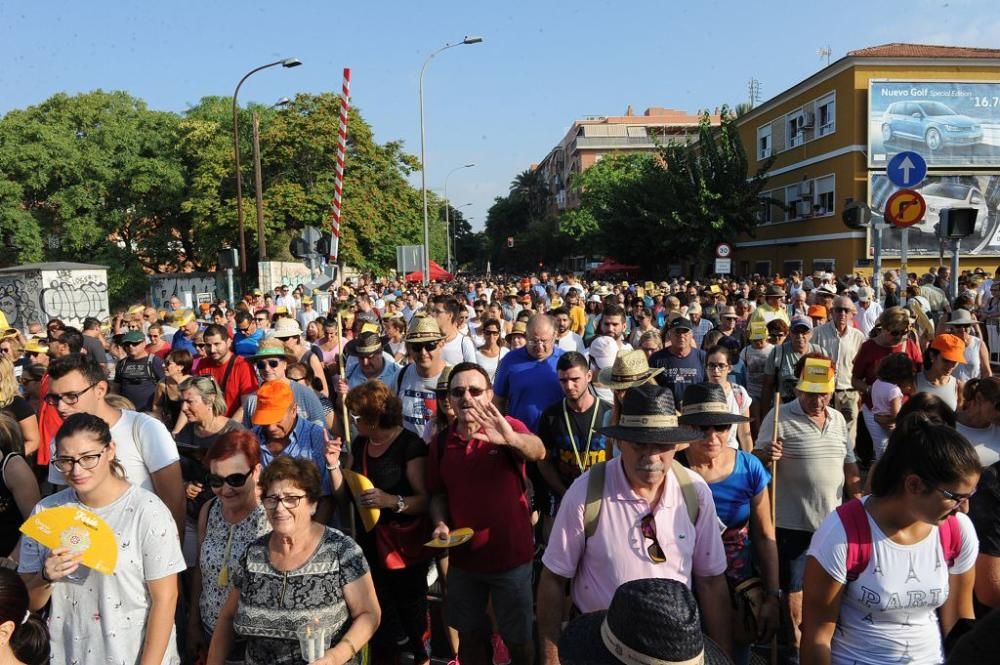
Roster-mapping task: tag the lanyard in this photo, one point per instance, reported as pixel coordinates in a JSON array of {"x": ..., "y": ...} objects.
[{"x": 590, "y": 434}]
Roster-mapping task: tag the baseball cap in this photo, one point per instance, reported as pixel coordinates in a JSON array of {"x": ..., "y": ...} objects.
[
  {"x": 681, "y": 323},
  {"x": 274, "y": 398},
  {"x": 951, "y": 347},
  {"x": 801, "y": 322}
]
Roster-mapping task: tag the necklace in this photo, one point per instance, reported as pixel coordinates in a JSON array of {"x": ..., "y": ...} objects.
[{"x": 581, "y": 463}]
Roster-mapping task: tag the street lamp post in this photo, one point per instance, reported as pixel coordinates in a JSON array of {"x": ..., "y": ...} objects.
[
  {"x": 287, "y": 63},
  {"x": 258, "y": 185},
  {"x": 447, "y": 205},
  {"x": 423, "y": 156}
]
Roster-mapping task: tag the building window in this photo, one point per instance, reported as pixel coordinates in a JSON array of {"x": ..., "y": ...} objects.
[
  {"x": 826, "y": 114},
  {"x": 792, "y": 131},
  {"x": 764, "y": 215},
  {"x": 824, "y": 265},
  {"x": 824, "y": 196},
  {"x": 762, "y": 268},
  {"x": 792, "y": 200},
  {"x": 764, "y": 142},
  {"x": 790, "y": 266}
]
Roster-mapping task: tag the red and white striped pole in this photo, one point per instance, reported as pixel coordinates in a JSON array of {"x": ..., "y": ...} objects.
[{"x": 338, "y": 182}]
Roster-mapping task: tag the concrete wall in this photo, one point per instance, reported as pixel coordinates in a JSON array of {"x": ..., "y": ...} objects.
[
  {"x": 186, "y": 286},
  {"x": 282, "y": 273},
  {"x": 41, "y": 295}
]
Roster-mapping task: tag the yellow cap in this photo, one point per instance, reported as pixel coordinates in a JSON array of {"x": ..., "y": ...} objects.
[{"x": 817, "y": 376}]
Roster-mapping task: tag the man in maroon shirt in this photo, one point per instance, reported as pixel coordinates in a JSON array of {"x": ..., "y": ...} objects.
[
  {"x": 232, "y": 372},
  {"x": 476, "y": 478}
]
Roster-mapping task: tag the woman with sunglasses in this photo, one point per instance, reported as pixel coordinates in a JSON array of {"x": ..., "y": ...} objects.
[
  {"x": 890, "y": 335},
  {"x": 489, "y": 355},
  {"x": 977, "y": 356},
  {"x": 738, "y": 481},
  {"x": 301, "y": 573},
  {"x": 157, "y": 346},
  {"x": 17, "y": 407},
  {"x": 897, "y": 594},
  {"x": 167, "y": 401},
  {"x": 394, "y": 459},
  {"x": 11, "y": 348},
  {"x": 31, "y": 381},
  {"x": 227, "y": 524},
  {"x": 127, "y": 617}
]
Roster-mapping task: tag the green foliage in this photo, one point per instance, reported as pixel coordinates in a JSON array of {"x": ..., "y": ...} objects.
[{"x": 107, "y": 180}]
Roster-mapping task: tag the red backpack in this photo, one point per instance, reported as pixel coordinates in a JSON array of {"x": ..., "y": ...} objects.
[{"x": 859, "y": 537}]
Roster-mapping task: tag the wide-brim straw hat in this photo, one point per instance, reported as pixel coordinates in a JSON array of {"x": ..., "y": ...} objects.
[
  {"x": 648, "y": 621},
  {"x": 364, "y": 344},
  {"x": 630, "y": 369},
  {"x": 648, "y": 415},
  {"x": 519, "y": 328},
  {"x": 272, "y": 348},
  {"x": 424, "y": 329},
  {"x": 286, "y": 327},
  {"x": 705, "y": 404}
]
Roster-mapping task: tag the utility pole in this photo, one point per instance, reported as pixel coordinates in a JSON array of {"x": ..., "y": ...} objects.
[{"x": 753, "y": 88}]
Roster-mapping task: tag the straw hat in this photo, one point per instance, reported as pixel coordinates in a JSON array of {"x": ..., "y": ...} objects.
[
  {"x": 365, "y": 344},
  {"x": 272, "y": 348},
  {"x": 519, "y": 328},
  {"x": 424, "y": 329},
  {"x": 285, "y": 328},
  {"x": 630, "y": 369},
  {"x": 36, "y": 345},
  {"x": 817, "y": 376},
  {"x": 648, "y": 416},
  {"x": 705, "y": 404}
]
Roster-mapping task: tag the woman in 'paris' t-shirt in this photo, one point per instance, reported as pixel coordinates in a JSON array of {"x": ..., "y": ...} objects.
[{"x": 889, "y": 614}]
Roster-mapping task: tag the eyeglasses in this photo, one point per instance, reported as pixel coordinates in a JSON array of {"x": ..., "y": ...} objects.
[
  {"x": 957, "y": 498},
  {"x": 648, "y": 528},
  {"x": 299, "y": 379},
  {"x": 199, "y": 346},
  {"x": 290, "y": 501},
  {"x": 537, "y": 341},
  {"x": 491, "y": 332},
  {"x": 261, "y": 319},
  {"x": 131, "y": 344},
  {"x": 899, "y": 333},
  {"x": 264, "y": 364},
  {"x": 717, "y": 365},
  {"x": 71, "y": 398},
  {"x": 420, "y": 347},
  {"x": 459, "y": 391},
  {"x": 233, "y": 480},
  {"x": 715, "y": 428},
  {"x": 842, "y": 309},
  {"x": 244, "y": 330},
  {"x": 66, "y": 464},
  {"x": 7, "y": 350}
]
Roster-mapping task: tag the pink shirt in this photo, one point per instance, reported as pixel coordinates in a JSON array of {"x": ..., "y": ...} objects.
[{"x": 617, "y": 551}]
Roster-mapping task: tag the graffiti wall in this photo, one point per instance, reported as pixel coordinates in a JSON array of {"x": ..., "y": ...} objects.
[
  {"x": 283, "y": 273},
  {"x": 37, "y": 293},
  {"x": 186, "y": 286}
]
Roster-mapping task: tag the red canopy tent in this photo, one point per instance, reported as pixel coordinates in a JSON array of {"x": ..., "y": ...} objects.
[
  {"x": 609, "y": 266},
  {"x": 438, "y": 274}
]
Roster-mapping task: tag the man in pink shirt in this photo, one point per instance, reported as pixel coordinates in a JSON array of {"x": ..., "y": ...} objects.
[{"x": 643, "y": 530}]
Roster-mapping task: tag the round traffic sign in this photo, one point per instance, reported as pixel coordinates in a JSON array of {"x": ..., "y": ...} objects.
[
  {"x": 905, "y": 208},
  {"x": 723, "y": 250}
]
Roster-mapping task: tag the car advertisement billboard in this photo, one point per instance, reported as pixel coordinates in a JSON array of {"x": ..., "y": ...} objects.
[
  {"x": 950, "y": 123},
  {"x": 942, "y": 191}
]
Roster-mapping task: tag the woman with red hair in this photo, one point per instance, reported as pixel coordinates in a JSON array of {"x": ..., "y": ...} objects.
[{"x": 226, "y": 525}]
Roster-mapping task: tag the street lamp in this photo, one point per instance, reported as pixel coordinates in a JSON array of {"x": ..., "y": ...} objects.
[
  {"x": 258, "y": 185},
  {"x": 287, "y": 63},
  {"x": 423, "y": 158},
  {"x": 447, "y": 204}
]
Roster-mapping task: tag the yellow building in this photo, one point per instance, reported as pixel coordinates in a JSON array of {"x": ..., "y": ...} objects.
[{"x": 832, "y": 135}]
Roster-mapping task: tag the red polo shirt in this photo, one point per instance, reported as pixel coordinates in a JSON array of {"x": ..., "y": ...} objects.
[
  {"x": 242, "y": 379},
  {"x": 486, "y": 489}
]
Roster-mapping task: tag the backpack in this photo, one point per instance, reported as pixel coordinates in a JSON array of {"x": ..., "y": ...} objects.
[
  {"x": 595, "y": 495},
  {"x": 859, "y": 538}
]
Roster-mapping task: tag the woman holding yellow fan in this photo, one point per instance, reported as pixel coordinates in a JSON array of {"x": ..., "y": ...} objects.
[
  {"x": 96, "y": 617},
  {"x": 393, "y": 459}
]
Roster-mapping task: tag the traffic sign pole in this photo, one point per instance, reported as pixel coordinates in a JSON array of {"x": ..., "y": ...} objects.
[{"x": 904, "y": 250}]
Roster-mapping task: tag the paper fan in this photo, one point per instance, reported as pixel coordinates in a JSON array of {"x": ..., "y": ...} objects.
[
  {"x": 358, "y": 484},
  {"x": 455, "y": 538},
  {"x": 80, "y": 530}
]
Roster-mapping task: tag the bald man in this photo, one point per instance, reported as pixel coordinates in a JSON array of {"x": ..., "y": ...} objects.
[{"x": 527, "y": 381}]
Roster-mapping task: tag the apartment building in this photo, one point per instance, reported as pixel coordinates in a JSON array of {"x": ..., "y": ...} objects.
[{"x": 832, "y": 134}]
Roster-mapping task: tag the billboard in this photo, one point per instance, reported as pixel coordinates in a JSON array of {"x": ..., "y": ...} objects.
[
  {"x": 950, "y": 123},
  {"x": 942, "y": 191}
]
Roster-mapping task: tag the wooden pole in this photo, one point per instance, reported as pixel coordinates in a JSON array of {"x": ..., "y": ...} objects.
[
  {"x": 343, "y": 375},
  {"x": 774, "y": 502}
]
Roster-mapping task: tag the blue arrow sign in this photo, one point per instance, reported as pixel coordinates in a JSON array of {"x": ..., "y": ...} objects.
[{"x": 906, "y": 169}]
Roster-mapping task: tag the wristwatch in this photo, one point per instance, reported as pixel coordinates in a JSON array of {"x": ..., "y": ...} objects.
[
  {"x": 333, "y": 467},
  {"x": 400, "y": 504}
]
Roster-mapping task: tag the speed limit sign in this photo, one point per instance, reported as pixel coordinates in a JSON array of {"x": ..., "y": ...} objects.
[{"x": 723, "y": 250}]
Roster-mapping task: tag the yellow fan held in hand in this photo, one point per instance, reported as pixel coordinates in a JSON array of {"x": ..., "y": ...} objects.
[
  {"x": 358, "y": 483},
  {"x": 79, "y": 530}
]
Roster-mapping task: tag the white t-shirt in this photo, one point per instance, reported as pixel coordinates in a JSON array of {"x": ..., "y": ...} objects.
[
  {"x": 572, "y": 342},
  {"x": 887, "y": 614},
  {"x": 985, "y": 440},
  {"x": 418, "y": 397},
  {"x": 459, "y": 350},
  {"x": 738, "y": 400},
  {"x": 98, "y": 618},
  {"x": 883, "y": 393},
  {"x": 143, "y": 446},
  {"x": 490, "y": 364}
]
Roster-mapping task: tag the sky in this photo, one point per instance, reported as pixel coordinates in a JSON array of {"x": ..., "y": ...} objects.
[{"x": 502, "y": 104}]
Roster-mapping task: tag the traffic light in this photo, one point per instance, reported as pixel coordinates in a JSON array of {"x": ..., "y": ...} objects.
[
  {"x": 856, "y": 215},
  {"x": 229, "y": 259},
  {"x": 299, "y": 248},
  {"x": 958, "y": 222},
  {"x": 324, "y": 243}
]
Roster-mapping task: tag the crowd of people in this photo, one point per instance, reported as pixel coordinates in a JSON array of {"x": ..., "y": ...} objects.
[{"x": 513, "y": 470}]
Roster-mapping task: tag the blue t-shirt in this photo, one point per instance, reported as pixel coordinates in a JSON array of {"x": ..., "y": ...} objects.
[
  {"x": 246, "y": 345},
  {"x": 733, "y": 496},
  {"x": 530, "y": 386},
  {"x": 679, "y": 373}
]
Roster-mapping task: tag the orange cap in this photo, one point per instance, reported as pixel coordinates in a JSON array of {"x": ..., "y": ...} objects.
[
  {"x": 274, "y": 398},
  {"x": 951, "y": 347},
  {"x": 817, "y": 310}
]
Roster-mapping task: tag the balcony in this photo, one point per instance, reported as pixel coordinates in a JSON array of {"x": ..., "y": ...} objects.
[{"x": 623, "y": 142}]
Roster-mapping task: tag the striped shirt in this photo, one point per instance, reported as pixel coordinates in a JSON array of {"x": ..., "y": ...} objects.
[{"x": 811, "y": 468}]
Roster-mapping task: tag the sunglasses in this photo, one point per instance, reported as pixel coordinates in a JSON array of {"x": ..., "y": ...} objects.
[
  {"x": 458, "y": 392},
  {"x": 420, "y": 347},
  {"x": 899, "y": 333},
  {"x": 131, "y": 344},
  {"x": 233, "y": 479},
  {"x": 714, "y": 428},
  {"x": 263, "y": 364},
  {"x": 648, "y": 528}
]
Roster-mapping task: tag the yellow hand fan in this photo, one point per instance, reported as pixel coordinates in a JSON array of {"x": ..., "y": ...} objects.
[
  {"x": 79, "y": 530},
  {"x": 358, "y": 484},
  {"x": 455, "y": 538}
]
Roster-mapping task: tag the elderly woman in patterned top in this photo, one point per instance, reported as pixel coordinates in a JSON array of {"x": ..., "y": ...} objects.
[{"x": 302, "y": 593}]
